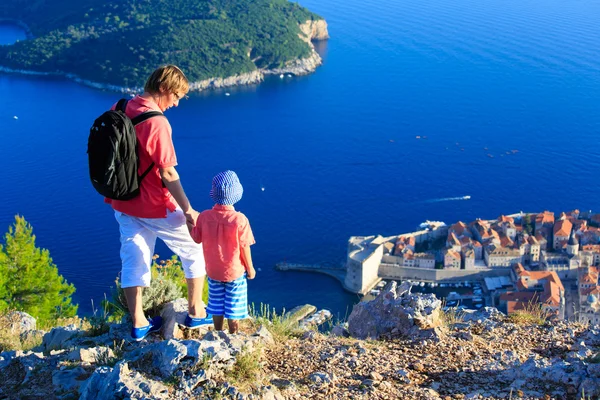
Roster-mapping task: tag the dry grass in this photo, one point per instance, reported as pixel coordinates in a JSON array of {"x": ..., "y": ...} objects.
[
  {"x": 532, "y": 314},
  {"x": 451, "y": 315},
  {"x": 10, "y": 340}
]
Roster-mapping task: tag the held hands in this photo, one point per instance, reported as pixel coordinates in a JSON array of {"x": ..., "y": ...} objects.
[
  {"x": 251, "y": 273},
  {"x": 191, "y": 216}
]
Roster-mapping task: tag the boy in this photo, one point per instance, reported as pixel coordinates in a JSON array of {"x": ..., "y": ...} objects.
[{"x": 226, "y": 238}]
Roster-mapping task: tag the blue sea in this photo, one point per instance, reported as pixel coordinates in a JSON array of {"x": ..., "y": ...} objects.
[{"x": 416, "y": 103}]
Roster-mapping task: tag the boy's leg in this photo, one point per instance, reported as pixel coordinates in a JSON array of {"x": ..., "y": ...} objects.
[
  {"x": 236, "y": 302},
  {"x": 216, "y": 302},
  {"x": 137, "y": 248},
  {"x": 218, "y": 322},
  {"x": 234, "y": 325}
]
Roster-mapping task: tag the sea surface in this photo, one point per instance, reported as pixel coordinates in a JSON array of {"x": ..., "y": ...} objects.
[{"x": 417, "y": 103}]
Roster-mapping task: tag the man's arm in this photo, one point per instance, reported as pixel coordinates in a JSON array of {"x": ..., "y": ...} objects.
[
  {"x": 247, "y": 260},
  {"x": 170, "y": 177}
]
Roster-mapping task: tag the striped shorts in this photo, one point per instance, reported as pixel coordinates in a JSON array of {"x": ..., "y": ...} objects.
[{"x": 229, "y": 299}]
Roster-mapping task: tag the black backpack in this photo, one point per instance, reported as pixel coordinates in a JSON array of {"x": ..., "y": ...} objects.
[{"x": 113, "y": 153}]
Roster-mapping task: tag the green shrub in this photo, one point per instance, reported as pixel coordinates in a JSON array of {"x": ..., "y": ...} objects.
[
  {"x": 168, "y": 283},
  {"x": 29, "y": 280}
]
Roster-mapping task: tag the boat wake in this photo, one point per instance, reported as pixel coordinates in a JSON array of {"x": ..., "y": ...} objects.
[{"x": 448, "y": 199}]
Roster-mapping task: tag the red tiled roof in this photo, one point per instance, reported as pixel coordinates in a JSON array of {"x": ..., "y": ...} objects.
[
  {"x": 545, "y": 217},
  {"x": 594, "y": 248},
  {"x": 453, "y": 254},
  {"x": 458, "y": 228},
  {"x": 563, "y": 228}
]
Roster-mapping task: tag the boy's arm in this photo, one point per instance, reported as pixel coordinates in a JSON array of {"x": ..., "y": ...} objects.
[
  {"x": 247, "y": 260},
  {"x": 195, "y": 229}
]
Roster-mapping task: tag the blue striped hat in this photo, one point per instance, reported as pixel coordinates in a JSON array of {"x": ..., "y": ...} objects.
[{"x": 226, "y": 188}]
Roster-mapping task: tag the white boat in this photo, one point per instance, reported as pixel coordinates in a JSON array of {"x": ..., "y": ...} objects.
[
  {"x": 15, "y": 117},
  {"x": 453, "y": 295},
  {"x": 466, "y": 197},
  {"x": 421, "y": 284},
  {"x": 281, "y": 76},
  {"x": 289, "y": 75},
  {"x": 227, "y": 94}
]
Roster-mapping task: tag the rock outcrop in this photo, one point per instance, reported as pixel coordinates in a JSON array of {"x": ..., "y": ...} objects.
[
  {"x": 396, "y": 312},
  {"x": 315, "y": 29}
]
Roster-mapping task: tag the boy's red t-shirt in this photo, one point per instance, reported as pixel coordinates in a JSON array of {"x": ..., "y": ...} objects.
[
  {"x": 223, "y": 233},
  {"x": 154, "y": 145}
]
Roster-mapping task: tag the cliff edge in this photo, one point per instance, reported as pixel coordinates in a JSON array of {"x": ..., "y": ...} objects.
[{"x": 420, "y": 352}]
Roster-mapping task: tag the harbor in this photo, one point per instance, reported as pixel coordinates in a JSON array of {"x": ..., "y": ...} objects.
[
  {"x": 460, "y": 294},
  {"x": 456, "y": 292}
]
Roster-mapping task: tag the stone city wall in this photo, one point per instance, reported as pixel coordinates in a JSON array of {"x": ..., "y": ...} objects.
[{"x": 389, "y": 271}]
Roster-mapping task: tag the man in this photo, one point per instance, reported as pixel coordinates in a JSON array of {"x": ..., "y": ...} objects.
[{"x": 161, "y": 209}]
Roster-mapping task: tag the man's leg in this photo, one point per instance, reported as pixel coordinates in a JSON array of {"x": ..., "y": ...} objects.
[
  {"x": 195, "y": 308},
  {"x": 134, "y": 303},
  {"x": 137, "y": 248},
  {"x": 174, "y": 232}
]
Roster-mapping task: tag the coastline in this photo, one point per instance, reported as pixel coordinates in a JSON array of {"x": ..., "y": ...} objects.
[{"x": 311, "y": 30}]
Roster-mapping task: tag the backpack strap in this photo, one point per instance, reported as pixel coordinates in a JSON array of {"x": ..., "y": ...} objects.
[
  {"x": 145, "y": 116},
  {"x": 142, "y": 176},
  {"x": 121, "y": 105},
  {"x": 138, "y": 120}
]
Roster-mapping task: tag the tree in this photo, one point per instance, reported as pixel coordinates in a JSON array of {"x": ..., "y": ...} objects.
[
  {"x": 527, "y": 225},
  {"x": 29, "y": 280}
]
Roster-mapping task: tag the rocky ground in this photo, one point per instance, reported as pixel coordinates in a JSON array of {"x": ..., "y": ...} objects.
[
  {"x": 399, "y": 346},
  {"x": 471, "y": 361}
]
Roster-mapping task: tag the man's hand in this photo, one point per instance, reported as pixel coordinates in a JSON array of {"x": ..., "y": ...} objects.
[
  {"x": 191, "y": 216},
  {"x": 251, "y": 273}
]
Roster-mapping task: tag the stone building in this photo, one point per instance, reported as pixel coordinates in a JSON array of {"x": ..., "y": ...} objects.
[{"x": 497, "y": 256}]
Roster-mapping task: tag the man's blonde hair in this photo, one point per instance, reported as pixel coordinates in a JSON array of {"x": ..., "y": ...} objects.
[{"x": 168, "y": 77}]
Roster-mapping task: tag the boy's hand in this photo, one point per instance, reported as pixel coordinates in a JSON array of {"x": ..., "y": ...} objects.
[
  {"x": 190, "y": 225},
  {"x": 251, "y": 273},
  {"x": 191, "y": 216}
]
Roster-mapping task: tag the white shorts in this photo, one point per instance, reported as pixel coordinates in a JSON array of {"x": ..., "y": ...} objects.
[{"x": 138, "y": 237}]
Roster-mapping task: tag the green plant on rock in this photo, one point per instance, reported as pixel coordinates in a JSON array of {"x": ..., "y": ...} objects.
[
  {"x": 99, "y": 321},
  {"x": 29, "y": 280},
  {"x": 451, "y": 315},
  {"x": 532, "y": 314},
  {"x": 247, "y": 369},
  {"x": 168, "y": 283},
  {"x": 281, "y": 325}
]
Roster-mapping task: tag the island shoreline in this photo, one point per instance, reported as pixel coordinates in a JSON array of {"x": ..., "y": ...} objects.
[{"x": 312, "y": 30}]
